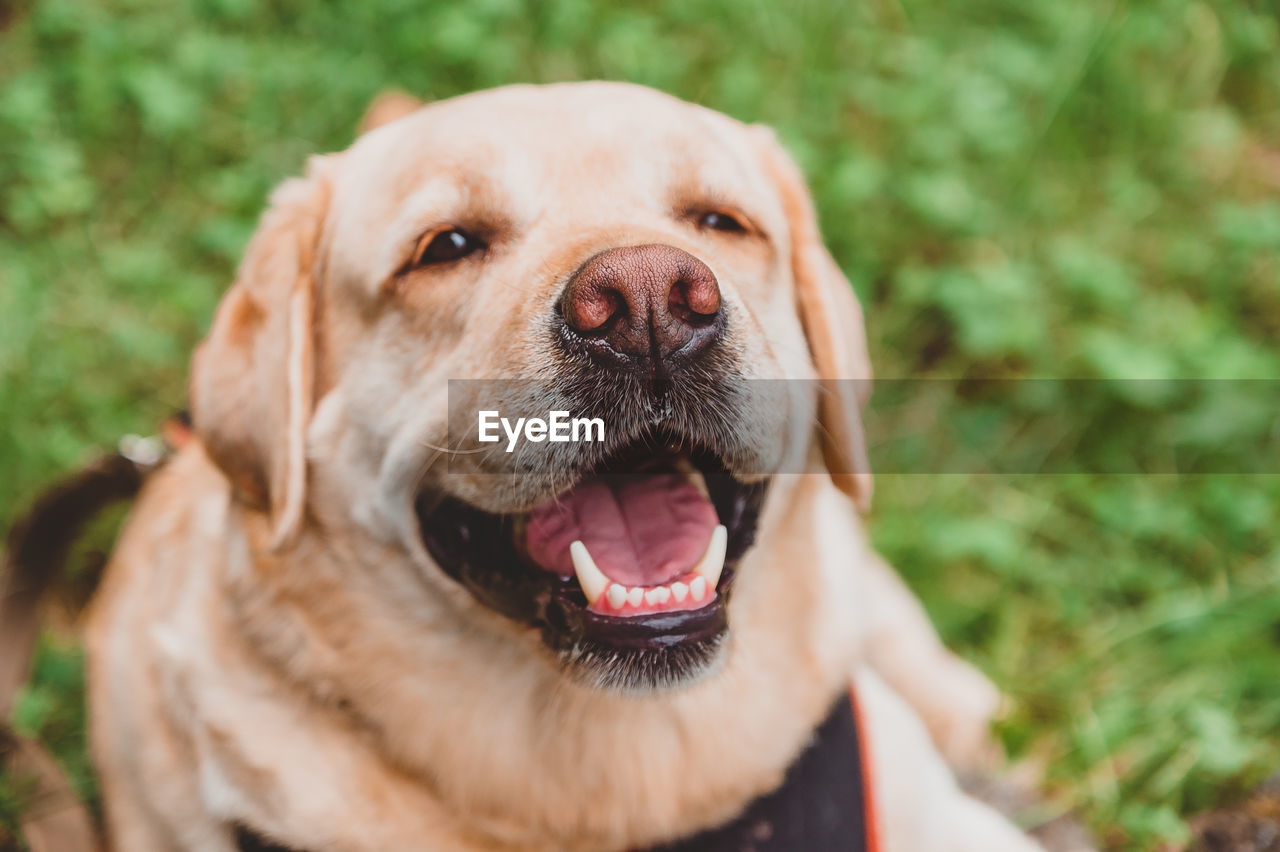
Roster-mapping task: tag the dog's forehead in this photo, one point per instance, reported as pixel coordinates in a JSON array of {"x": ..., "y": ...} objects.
[{"x": 532, "y": 143}]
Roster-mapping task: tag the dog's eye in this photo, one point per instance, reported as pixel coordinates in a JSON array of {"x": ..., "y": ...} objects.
[
  {"x": 445, "y": 245},
  {"x": 718, "y": 220}
]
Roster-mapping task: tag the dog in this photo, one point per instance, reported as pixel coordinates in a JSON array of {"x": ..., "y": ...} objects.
[{"x": 336, "y": 621}]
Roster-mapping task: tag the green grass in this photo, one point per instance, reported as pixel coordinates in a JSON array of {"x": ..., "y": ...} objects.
[{"x": 1084, "y": 188}]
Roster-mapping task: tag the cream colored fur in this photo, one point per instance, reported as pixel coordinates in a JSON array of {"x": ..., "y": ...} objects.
[{"x": 273, "y": 646}]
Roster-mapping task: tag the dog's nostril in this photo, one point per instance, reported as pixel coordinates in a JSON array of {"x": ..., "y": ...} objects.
[
  {"x": 645, "y": 302},
  {"x": 590, "y": 311},
  {"x": 695, "y": 301}
]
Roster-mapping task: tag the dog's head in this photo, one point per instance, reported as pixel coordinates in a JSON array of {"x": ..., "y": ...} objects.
[{"x": 597, "y": 249}]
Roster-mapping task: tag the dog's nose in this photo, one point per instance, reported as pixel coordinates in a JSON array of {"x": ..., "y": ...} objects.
[{"x": 639, "y": 304}]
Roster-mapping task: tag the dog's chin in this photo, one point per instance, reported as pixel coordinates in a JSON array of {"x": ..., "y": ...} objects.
[{"x": 619, "y": 618}]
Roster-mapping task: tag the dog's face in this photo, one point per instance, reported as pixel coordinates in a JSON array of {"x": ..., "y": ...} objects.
[{"x": 597, "y": 249}]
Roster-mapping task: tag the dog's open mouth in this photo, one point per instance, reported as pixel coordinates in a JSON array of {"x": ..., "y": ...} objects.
[{"x": 627, "y": 573}]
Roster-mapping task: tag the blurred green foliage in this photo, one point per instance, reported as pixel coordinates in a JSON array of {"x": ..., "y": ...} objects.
[{"x": 1083, "y": 189}]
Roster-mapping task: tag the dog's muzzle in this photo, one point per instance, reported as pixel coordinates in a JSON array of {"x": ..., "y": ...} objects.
[{"x": 624, "y": 554}]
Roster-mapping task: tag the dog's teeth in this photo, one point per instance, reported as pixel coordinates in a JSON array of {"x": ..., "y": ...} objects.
[
  {"x": 591, "y": 578},
  {"x": 698, "y": 588},
  {"x": 596, "y": 586},
  {"x": 712, "y": 562},
  {"x": 695, "y": 477}
]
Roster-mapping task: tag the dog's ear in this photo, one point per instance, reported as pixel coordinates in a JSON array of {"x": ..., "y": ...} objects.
[
  {"x": 252, "y": 379},
  {"x": 833, "y": 325},
  {"x": 386, "y": 108}
]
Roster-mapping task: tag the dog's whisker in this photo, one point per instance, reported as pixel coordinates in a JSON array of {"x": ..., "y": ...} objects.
[{"x": 447, "y": 451}]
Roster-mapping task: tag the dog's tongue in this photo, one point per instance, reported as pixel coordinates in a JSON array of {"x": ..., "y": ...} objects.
[{"x": 641, "y": 529}]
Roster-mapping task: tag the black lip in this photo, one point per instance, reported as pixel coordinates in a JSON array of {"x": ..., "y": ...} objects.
[
  {"x": 475, "y": 548},
  {"x": 659, "y": 630},
  {"x": 571, "y": 622}
]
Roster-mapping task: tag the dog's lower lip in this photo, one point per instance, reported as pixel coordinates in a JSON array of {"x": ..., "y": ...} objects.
[{"x": 658, "y": 630}]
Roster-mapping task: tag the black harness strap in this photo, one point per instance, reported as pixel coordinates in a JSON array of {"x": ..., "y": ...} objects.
[
  {"x": 248, "y": 840},
  {"x": 820, "y": 807}
]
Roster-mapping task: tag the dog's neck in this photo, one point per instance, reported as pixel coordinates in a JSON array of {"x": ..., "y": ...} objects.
[{"x": 475, "y": 709}]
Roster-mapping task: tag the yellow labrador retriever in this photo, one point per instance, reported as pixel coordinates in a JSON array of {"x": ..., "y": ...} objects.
[{"x": 336, "y": 622}]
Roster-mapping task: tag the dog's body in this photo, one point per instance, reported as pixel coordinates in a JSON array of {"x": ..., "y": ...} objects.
[{"x": 274, "y": 648}]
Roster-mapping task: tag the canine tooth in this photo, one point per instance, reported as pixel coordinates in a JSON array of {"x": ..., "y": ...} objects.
[
  {"x": 634, "y": 595},
  {"x": 679, "y": 591},
  {"x": 591, "y": 578},
  {"x": 698, "y": 588},
  {"x": 617, "y": 596},
  {"x": 695, "y": 477},
  {"x": 712, "y": 562}
]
